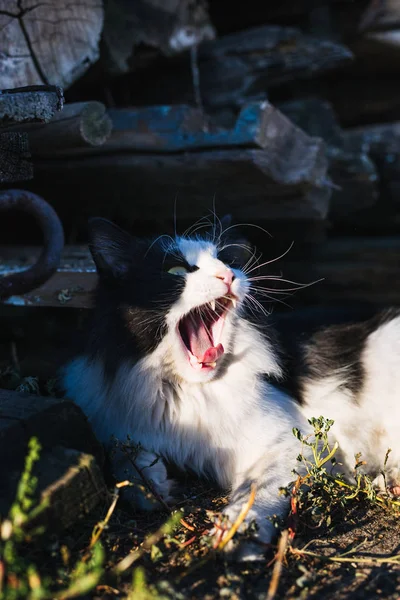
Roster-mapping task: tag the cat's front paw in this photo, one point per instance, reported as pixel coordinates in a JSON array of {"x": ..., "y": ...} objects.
[
  {"x": 149, "y": 483},
  {"x": 141, "y": 497}
]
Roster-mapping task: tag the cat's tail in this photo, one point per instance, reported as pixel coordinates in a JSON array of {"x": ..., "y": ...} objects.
[{"x": 53, "y": 237}]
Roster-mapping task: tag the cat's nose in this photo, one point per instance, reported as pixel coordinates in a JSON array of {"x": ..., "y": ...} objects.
[{"x": 226, "y": 275}]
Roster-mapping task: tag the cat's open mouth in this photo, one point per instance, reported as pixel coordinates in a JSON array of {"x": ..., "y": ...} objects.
[{"x": 201, "y": 330}]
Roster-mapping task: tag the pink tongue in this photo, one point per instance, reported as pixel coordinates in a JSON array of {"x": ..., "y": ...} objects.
[
  {"x": 200, "y": 343},
  {"x": 212, "y": 354}
]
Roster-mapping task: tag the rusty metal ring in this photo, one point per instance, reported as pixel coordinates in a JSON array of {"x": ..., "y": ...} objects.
[{"x": 53, "y": 235}]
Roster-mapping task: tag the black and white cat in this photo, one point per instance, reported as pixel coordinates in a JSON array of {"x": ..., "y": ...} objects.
[{"x": 176, "y": 362}]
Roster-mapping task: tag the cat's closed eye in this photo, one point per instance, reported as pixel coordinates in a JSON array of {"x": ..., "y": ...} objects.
[
  {"x": 178, "y": 270},
  {"x": 181, "y": 270}
]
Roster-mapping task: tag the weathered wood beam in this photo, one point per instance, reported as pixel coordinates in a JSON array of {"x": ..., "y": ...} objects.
[
  {"x": 354, "y": 175},
  {"x": 236, "y": 68},
  {"x": 180, "y": 128},
  {"x": 382, "y": 143},
  {"x": 70, "y": 286},
  {"x": 255, "y": 184}
]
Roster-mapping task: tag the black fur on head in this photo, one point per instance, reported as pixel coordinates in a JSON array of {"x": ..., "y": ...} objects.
[{"x": 135, "y": 290}]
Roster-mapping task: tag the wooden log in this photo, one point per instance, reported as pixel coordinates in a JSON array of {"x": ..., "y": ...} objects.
[
  {"x": 15, "y": 164},
  {"x": 79, "y": 125},
  {"x": 48, "y": 43},
  {"x": 30, "y": 104},
  {"x": 354, "y": 175},
  {"x": 236, "y": 68},
  {"x": 169, "y": 27}
]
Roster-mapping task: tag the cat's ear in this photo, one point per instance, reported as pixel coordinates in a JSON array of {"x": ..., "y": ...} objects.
[{"x": 110, "y": 246}]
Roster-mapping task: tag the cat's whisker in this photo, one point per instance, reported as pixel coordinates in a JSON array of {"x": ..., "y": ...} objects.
[
  {"x": 281, "y": 279},
  {"x": 164, "y": 235},
  {"x": 268, "y": 262},
  {"x": 258, "y": 304},
  {"x": 253, "y": 260},
  {"x": 202, "y": 222},
  {"x": 272, "y": 296},
  {"x": 246, "y": 225}
]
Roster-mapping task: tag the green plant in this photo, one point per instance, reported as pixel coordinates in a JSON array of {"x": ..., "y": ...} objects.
[
  {"x": 20, "y": 577},
  {"x": 320, "y": 492}
]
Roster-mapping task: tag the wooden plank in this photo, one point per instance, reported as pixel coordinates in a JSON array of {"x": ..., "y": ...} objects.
[
  {"x": 71, "y": 285},
  {"x": 287, "y": 184},
  {"x": 180, "y": 128}
]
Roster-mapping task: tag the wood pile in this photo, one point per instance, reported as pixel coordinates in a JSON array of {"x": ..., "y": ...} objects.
[{"x": 270, "y": 114}]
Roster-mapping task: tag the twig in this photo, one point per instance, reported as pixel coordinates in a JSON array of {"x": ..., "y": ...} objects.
[
  {"x": 146, "y": 481},
  {"x": 151, "y": 540},
  {"x": 99, "y": 528},
  {"x": 393, "y": 560},
  {"x": 241, "y": 517},
  {"x": 187, "y": 525},
  {"x": 277, "y": 570}
]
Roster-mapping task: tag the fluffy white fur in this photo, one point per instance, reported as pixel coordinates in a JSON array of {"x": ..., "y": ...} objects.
[
  {"x": 369, "y": 422},
  {"x": 228, "y": 423}
]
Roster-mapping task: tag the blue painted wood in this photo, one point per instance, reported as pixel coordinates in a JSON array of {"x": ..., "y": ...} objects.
[{"x": 181, "y": 127}]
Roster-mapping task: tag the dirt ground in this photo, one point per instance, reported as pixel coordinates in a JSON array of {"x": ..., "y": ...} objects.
[{"x": 368, "y": 533}]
